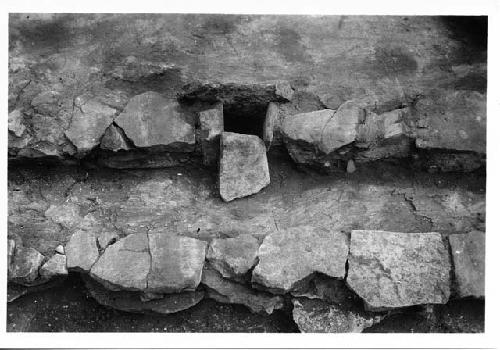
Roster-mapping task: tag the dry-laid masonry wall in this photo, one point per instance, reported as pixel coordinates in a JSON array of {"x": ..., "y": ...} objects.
[{"x": 331, "y": 167}]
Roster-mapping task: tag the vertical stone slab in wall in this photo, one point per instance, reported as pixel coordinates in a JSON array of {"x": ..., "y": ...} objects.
[{"x": 211, "y": 127}]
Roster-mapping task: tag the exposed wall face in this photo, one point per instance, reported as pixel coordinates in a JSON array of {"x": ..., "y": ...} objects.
[{"x": 58, "y": 62}]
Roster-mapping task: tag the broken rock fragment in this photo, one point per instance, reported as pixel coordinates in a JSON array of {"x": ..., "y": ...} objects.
[
  {"x": 468, "y": 251},
  {"x": 211, "y": 127},
  {"x": 288, "y": 256},
  {"x": 316, "y": 316},
  {"x": 88, "y": 123},
  {"x": 243, "y": 166},
  {"x": 151, "y": 120},
  {"x": 269, "y": 123},
  {"x": 226, "y": 291},
  {"x": 81, "y": 250},
  {"x": 392, "y": 269},
  {"x": 54, "y": 267},
  {"x": 125, "y": 264},
  {"x": 131, "y": 301},
  {"x": 114, "y": 139},
  {"x": 177, "y": 263},
  {"x": 24, "y": 265},
  {"x": 233, "y": 257},
  {"x": 15, "y": 123}
]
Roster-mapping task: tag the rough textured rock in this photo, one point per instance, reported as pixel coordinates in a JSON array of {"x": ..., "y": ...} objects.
[
  {"x": 114, "y": 139},
  {"x": 391, "y": 269},
  {"x": 211, "y": 127},
  {"x": 54, "y": 267},
  {"x": 453, "y": 121},
  {"x": 330, "y": 290},
  {"x": 468, "y": 252},
  {"x": 24, "y": 265},
  {"x": 320, "y": 132},
  {"x": 125, "y": 264},
  {"x": 176, "y": 262},
  {"x": 88, "y": 123},
  {"x": 233, "y": 257},
  {"x": 151, "y": 120},
  {"x": 15, "y": 123},
  {"x": 81, "y": 250},
  {"x": 288, "y": 256},
  {"x": 315, "y": 316},
  {"x": 226, "y": 291},
  {"x": 131, "y": 301},
  {"x": 243, "y": 168}
]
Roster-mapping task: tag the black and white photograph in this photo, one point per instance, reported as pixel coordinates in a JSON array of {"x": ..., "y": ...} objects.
[{"x": 246, "y": 173}]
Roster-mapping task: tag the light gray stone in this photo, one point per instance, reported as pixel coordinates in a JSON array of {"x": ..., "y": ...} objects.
[
  {"x": 88, "y": 123},
  {"x": 124, "y": 265},
  {"x": 288, "y": 256},
  {"x": 151, "y": 120},
  {"x": 24, "y": 265},
  {"x": 54, "y": 267},
  {"x": 211, "y": 127},
  {"x": 81, "y": 250},
  {"x": 468, "y": 251},
  {"x": 243, "y": 168},
  {"x": 392, "y": 269},
  {"x": 177, "y": 263},
  {"x": 269, "y": 123},
  {"x": 15, "y": 123},
  {"x": 233, "y": 257}
]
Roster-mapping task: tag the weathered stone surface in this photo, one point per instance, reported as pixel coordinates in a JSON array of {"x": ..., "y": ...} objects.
[
  {"x": 315, "y": 316},
  {"x": 81, "y": 250},
  {"x": 131, "y": 301},
  {"x": 233, "y": 257},
  {"x": 114, "y": 139},
  {"x": 59, "y": 249},
  {"x": 226, "y": 291},
  {"x": 308, "y": 135},
  {"x": 151, "y": 120},
  {"x": 288, "y": 256},
  {"x": 24, "y": 265},
  {"x": 331, "y": 290},
  {"x": 392, "y": 269},
  {"x": 211, "y": 127},
  {"x": 243, "y": 166},
  {"x": 15, "y": 122},
  {"x": 176, "y": 264},
  {"x": 88, "y": 123},
  {"x": 468, "y": 251},
  {"x": 270, "y": 121},
  {"x": 54, "y": 267},
  {"x": 66, "y": 214},
  {"x": 124, "y": 265},
  {"x": 452, "y": 120},
  {"x": 11, "y": 250}
]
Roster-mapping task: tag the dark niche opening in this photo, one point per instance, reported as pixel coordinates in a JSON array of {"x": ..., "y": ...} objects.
[{"x": 245, "y": 119}]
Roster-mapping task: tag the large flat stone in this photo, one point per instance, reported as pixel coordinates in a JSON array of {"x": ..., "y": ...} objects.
[
  {"x": 124, "y": 265},
  {"x": 392, "y": 269},
  {"x": 289, "y": 256},
  {"x": 177, "y": 262},
  {"x": 468, "y": 251},
  {"x": 233, "y": 257},
  {"x": 88, "y": 123},
  {"x": 211, "y": 127},
  {"x": 243, "y": 168},
  {"x": 151, "y": 120},
  {"x": 227, "y": 291},
  {"x": 81, "y": 250},
  {"x": 316, "y": 316}
]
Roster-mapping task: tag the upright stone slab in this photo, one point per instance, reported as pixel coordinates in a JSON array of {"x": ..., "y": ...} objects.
[
  {"x": 288, "y": 256},
  {"x": 151, "y": 120},
  {"x": 269, "y": 123},
  {"x": 81, "y": 250},
  {"x": 54, "y": 267},
  {"x": 243, "y": 166},
  {"x": 211, "y": 127},
  {"x": 392, "y": 269},
  {"x": 124, "y": 265},
  {"x": 177, "y": 262},
  {"x": 468, "y": 251}
]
